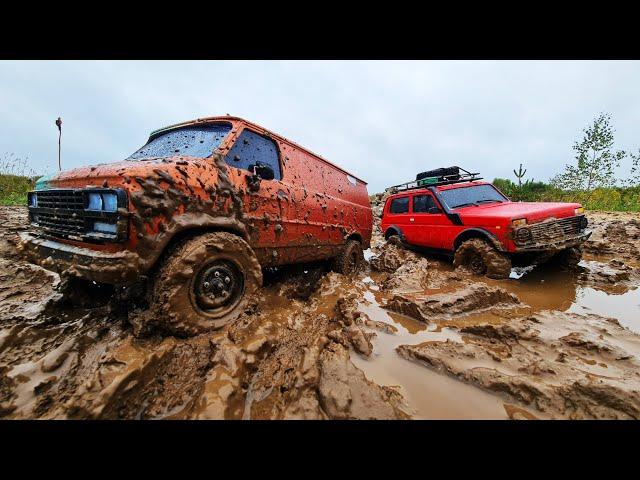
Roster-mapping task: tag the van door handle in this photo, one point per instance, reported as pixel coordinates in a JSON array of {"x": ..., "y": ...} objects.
[{"x": 411, "y": 219}]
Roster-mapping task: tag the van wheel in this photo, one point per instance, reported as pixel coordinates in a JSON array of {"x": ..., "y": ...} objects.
[
  {"x": 482, "y": 259},
  {"x": 569, "y": 257},
  {"x": 205, "y": 283},
  {"x": 350, "y": 259}
]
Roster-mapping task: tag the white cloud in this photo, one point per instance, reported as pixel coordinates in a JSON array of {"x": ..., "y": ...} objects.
[{"x": 384, "y": 121}]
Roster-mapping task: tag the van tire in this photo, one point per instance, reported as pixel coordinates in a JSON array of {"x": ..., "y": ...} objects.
[
  {"x": 204, "y": 283},
  {"x": 350, "y": 260},
  {"x": 482, "y": 258}
]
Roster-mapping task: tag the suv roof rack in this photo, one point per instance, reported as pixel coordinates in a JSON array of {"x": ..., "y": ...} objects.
[{"x": 440, "y": 176}]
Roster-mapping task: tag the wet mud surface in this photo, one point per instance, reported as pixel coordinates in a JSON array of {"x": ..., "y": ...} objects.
[{"x": 409, "y": 338}]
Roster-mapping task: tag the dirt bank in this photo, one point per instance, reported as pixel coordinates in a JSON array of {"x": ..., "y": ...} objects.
[{"x": 411, "y": 338}]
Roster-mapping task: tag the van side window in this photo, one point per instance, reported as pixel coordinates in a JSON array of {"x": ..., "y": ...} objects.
[
  {"x": 250, "y": 148},
  {"x": 422, "y": 203},
  {"x": 399, "y": 205}
]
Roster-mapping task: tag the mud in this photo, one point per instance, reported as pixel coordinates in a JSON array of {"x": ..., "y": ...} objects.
[
  {"x": 279, "y": 360},
  {"x": 410, "y": 338}
]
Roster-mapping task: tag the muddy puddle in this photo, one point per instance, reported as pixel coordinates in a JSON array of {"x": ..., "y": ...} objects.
[
  {"x": 436, "y": 396},
  {"x": 409, "y": 338}
]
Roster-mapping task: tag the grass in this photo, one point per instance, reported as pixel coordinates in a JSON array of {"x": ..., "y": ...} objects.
[
  {"x": 16, "y": 179},
  {"x": 614, "y": 199}
]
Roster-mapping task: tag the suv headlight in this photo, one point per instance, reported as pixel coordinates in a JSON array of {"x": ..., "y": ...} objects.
[
  {"x": 107, "y": 202},
  {"x": 578, "y": 211},
  {"x": 518, "y": 222},
  {"x": 33, "y": 199}
]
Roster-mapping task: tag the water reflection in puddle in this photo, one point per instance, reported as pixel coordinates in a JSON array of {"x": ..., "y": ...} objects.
[
  {"x": 434, "y": 395},
  {"x": 624, "y": 307}
]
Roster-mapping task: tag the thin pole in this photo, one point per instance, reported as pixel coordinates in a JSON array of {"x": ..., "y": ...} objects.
[{"x": 59, "y": 125}]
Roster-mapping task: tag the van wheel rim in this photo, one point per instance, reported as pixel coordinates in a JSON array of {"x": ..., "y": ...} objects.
[{"x": 218, "y": 285}]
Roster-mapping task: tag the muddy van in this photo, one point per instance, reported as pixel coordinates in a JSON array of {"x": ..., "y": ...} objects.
[{"x": 196, "y": 213}]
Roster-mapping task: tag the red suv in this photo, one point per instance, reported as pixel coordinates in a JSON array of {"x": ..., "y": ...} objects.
[{"x": 450, "y": 210}]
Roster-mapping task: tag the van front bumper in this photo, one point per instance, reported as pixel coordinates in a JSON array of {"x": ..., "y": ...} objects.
[{"x": 104, "y": 267}]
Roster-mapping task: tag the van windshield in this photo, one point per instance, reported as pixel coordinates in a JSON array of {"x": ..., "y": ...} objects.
[
  {"x": 192, "y": 141},
  {"x": 475, "y": 195}
]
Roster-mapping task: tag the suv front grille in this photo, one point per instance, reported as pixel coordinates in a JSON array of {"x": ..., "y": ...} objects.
[
  {"x": 64, "y": 213},
  {"x": 551, "y": 231}
]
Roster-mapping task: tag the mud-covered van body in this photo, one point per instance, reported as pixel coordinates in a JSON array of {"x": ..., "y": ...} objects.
[{"x": 220, "y": 177}]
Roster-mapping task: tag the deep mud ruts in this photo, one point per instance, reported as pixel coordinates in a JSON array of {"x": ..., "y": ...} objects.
[{"x": 410, "y": 338}]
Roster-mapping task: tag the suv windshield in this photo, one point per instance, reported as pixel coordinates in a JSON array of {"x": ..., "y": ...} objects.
[
  {"x": 475, "y": 195},
  {"x": 193, "y": 141}
]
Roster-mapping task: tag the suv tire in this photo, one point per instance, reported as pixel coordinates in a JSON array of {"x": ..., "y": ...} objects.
[
  {"x": 204, "y": 283},
  {"x": 569, "y": 257},
  {"x": 350, "y": 259},
  {"x": 482, "y": 258}
]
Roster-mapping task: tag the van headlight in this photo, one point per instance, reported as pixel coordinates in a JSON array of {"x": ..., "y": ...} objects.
[
  {"x": 518, "y": 222},
  {"x": 106, "y": 202},
  {"x": 104, "y": 227},
  {"x": 578, "y": 211}
]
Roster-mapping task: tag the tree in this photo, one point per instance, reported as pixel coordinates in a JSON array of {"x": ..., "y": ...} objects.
[
  {"x": 520, "y": 175},
  {"x": 634, "y": 176},
  {"x": 596, "y": 159}
]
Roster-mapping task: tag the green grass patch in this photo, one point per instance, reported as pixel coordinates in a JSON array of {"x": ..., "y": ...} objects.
[{"x": 14, "y": 188}]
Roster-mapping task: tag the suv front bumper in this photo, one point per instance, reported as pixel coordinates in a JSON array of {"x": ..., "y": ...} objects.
[
  {"x": 104, "y": 267},
  {"x": 561, "y": 244}
]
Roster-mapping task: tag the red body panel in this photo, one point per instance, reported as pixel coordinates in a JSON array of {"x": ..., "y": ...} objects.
[{"x": 439, "y": 230}]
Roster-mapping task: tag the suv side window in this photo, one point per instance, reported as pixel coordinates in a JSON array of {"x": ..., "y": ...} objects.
[
  {"x": 250, "y": 148},
  {"x": 399, "y": 205},
  {"x": 422, "y": 203}
]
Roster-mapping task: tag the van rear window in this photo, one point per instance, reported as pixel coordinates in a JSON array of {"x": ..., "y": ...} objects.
[
  {"x": 194, "y": 141},
  {"x": 399, "y": 205}
]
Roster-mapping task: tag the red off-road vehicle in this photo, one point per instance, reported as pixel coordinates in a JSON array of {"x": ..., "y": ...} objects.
[
  {"x": 198, "y": 210},
  {"x": 450, "y": 210}
]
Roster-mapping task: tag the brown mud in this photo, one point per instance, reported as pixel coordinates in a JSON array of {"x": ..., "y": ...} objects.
[{"x": 409, "y": 338}]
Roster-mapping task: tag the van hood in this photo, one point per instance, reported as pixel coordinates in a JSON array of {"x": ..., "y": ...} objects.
[
  {"x": 532, "y": 211},
  {"x": 118, "y": 174}
]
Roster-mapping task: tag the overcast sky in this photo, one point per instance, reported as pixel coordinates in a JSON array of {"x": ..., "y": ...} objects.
[{"x": 383, "y": 121}]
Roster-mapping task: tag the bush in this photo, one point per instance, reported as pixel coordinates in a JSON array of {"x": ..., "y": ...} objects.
[
  {"x": 609, "y": 199},
  {"x": 16, "y": 179}
]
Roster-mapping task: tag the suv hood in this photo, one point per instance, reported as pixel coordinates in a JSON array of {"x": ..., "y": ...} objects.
[{"x": 532, "y": 211}]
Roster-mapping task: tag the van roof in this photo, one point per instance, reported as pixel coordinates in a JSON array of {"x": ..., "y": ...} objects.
[{"x": 257, "y": 127}]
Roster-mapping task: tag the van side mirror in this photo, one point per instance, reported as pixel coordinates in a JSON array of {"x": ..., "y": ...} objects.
[
  {"x": 434, "y": 210},
  {"x": 265, "y": 172}
]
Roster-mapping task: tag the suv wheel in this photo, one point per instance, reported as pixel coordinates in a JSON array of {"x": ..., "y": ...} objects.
[
  {"x": 350, "y": 260},
  {"x": 394, "y": 240},
  {"x": 482, "y": 259},
  {"x": 569, "y": 257},
  {"x": 205, "y": 283}
]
